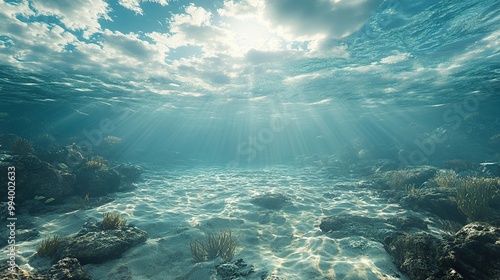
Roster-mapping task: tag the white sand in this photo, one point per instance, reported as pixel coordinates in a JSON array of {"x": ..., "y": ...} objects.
[{"x": 176, "y": 206}]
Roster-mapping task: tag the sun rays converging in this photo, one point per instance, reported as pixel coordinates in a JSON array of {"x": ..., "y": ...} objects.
[{"x": 249, "y": 34}]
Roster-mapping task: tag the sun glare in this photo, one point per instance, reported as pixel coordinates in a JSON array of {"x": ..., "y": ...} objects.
[{"x": 250, "y": 34}]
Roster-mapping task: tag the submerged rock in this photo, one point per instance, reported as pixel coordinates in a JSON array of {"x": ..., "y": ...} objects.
[
  {"x": 65, "y": 269},
  {"x": 471, "y": 253},
  {"x": 129, "y": 172},
  {"x": 233, "y": 270},
  {"x": 474, "y": 251},
  {"x": 344, "y": 222},
  {"x": 97, "y": 181},
  {"x": 384, "y": 166},
  {"x": 15, "y": 273},
  {"x": 411, "y": 175},
  {"x": 346, "y": 225},
  {"x": 99, "y": 246},
  {"x": 128, "y": 175},
  {"x": 407, "y": 222},
  {"x": 273, "y": 201},
  {"x": 266, "y": 276},
  {"x": 417, "y": 254},
  {"x": 3, "y": 210},
  {"x": 38, "y": 178},
  {"x": 439, "y": 202},
  {"x": 490, "y": 168}
]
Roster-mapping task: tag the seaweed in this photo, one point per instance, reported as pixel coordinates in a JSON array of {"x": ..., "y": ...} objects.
[
  {"x": 48, "y": 246},
  {"x": 198, "y": 251},
  {"x": 212, "y": 246},
  {"x": 110, "y": 221},
  {"x": 227, "y": 245},
  {"x": 22, "y": 147},
  {"x": 447, "y": 179},
  {"x": 474, "y": 196},
  {"x": 222, "y": 244}
]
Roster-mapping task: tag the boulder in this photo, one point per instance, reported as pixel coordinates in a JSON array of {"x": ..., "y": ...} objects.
[
  {"x": 128, "y": 172},
  {"x": 128, "y": 175},
  {"x": 417, "y": 254},
  {"x": 14, "y": 273},
  {"x": 439, "y": 202},
  {"x": 3, "y": 210},
  {"x": 38, "y": 178},
  {"x": 65, "y": 269},
  {"x": 346, "y": 225},
  {"x": 100, "y": 245},
  {"x": 407, "y": 222},
  {"x": 474, "y": 252},
  {"x": 234, "y": 270},
  {"x": 491, "y": 169},
  {"x": 97, "y": 181}
]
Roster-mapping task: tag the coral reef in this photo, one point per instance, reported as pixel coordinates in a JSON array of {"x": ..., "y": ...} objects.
[{"x": 96, "y": 162}]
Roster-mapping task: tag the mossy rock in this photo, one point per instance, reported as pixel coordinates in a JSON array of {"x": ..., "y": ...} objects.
[
  {"x": 100, "y": 246},
  {"x": 38, "y": 178},
  {"x": 97, "y": 182}
]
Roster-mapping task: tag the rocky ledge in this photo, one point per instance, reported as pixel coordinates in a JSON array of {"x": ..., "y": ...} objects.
[{"x": 473, "y": 252}]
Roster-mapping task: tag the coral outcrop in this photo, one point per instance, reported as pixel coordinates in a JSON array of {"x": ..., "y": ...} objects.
[
  {"x": 473, "y": 252},
  {"x": 95, "y": 245},
  {"x": 38, "y": 178}
]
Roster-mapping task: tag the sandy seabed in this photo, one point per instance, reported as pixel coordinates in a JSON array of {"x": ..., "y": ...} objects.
[{"x": 177, "y": 206}]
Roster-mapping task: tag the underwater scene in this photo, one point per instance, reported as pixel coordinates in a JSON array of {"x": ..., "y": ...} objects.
[{"x": 249, "y": 139}]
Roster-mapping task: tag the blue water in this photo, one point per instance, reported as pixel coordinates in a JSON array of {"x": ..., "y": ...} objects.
[
  {"x": 447, "y": 81},
  {"x": 416, "y": 83}
]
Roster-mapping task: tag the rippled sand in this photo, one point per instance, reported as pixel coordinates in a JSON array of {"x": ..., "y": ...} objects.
[{"x": 176, "y": 206}]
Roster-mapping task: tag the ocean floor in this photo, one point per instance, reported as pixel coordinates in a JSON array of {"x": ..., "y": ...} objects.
[{"x": 177, "y": 206}]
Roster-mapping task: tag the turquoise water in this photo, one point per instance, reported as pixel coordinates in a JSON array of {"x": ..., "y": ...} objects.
[{"x": 412, "y": 70}]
